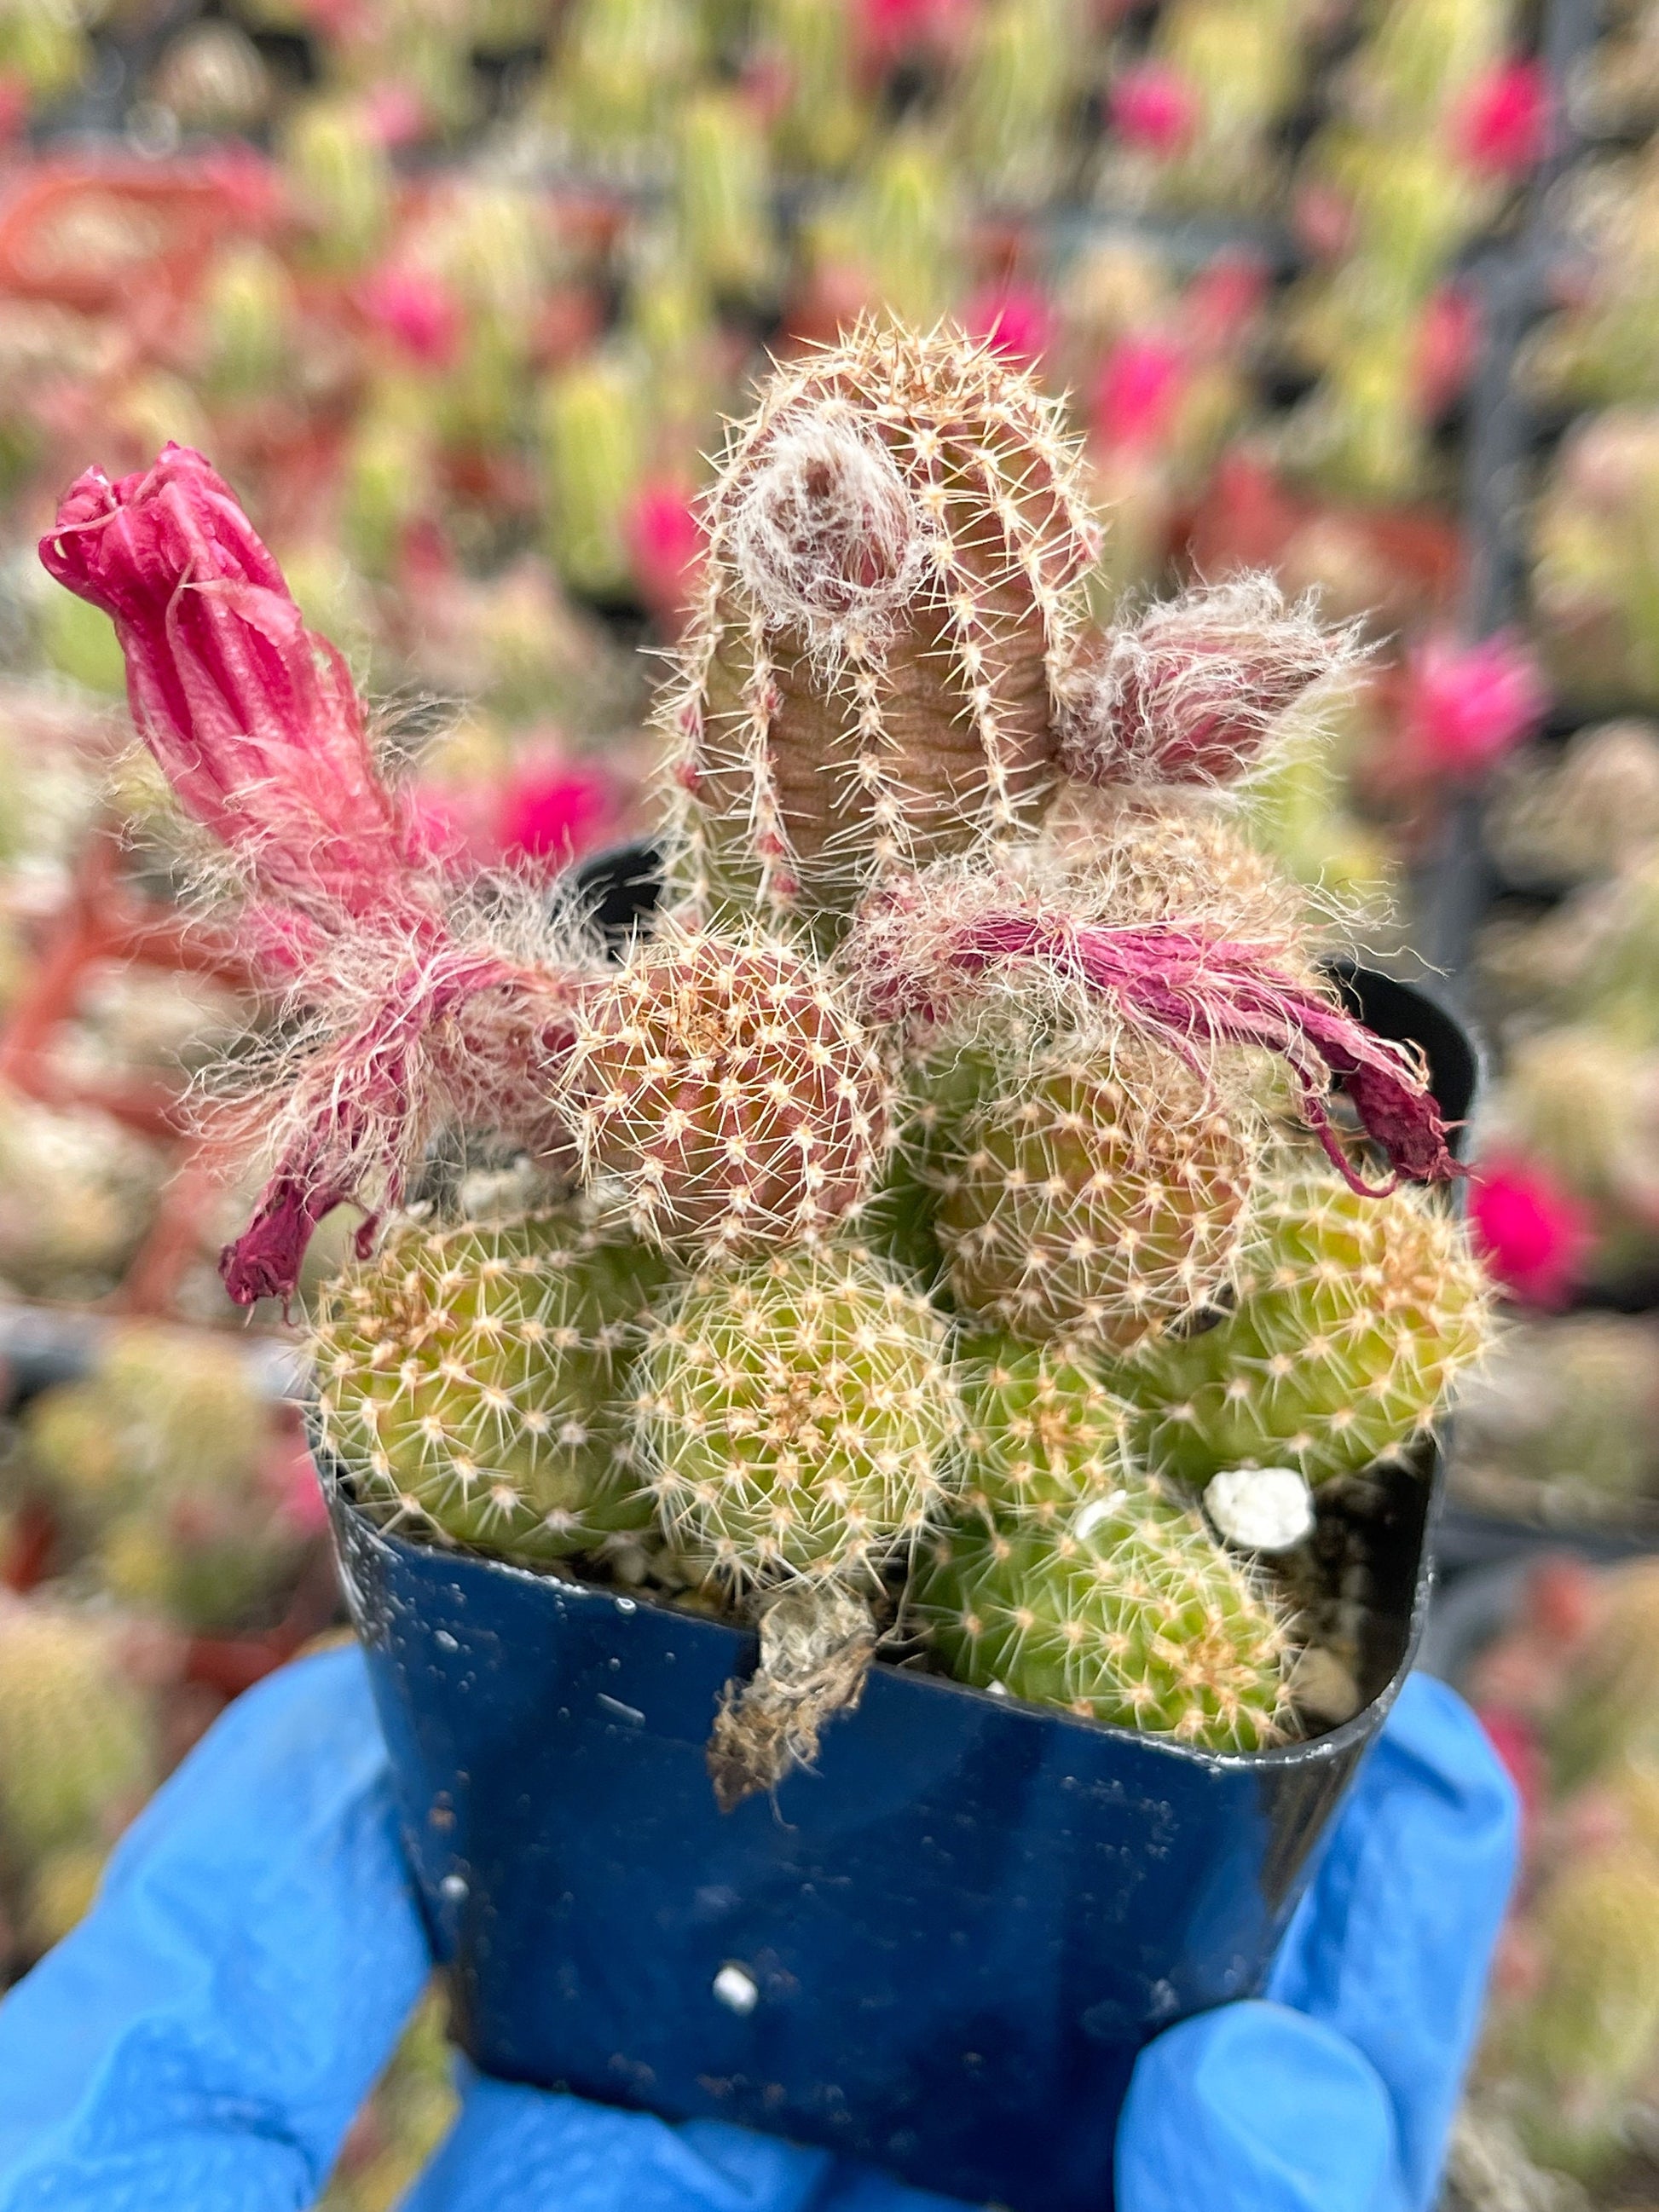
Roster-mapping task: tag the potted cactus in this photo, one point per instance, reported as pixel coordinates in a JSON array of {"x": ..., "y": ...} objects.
[{"x": 877, "y": 1437}]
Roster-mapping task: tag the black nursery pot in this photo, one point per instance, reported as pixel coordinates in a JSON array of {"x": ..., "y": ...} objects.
[{"x": 939, "y": 1952}]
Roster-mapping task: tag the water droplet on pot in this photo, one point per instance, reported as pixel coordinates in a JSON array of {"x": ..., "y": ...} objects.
[
  {"x": 628, "y": 1605},
  {"x": 736, "y": 1988},
  {"x": 444, "y": 1641},
  {"x": 452, "y": 1888}
]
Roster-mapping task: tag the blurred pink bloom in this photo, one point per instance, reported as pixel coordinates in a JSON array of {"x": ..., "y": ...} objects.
[
  {"x": 1503, "y": 125},
  {"x": 1532, "y": 1234},
  {"x": 1153, "y": 106},
  {"x": 416, "y": 310},
  {"x": 665, "y": 546},
  {"x": 1467, "y": 705},
  {"x": 253, "y": 718},
  {"x": 16, "y": 101},
  {"x": 1447, "y": 339},
  {"x": 1222, "y": 299},
  {"x": 553, "y": 809},
  {"x": 1139, "y": 391},
  {"x": 395, "y": 114},
  {"x": 1013, "y": 321}
]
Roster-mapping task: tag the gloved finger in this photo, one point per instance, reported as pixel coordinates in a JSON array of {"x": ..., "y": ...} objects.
[
  {"x": 1392, "y": 1946},
  {"x": 517, "y": 2150},
  {"x": 1253, "y": 2108},
  {"x": 202, "y": 2040}
]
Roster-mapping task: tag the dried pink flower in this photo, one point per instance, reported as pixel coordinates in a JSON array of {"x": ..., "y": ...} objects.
[{"x": 929, "y": 943}]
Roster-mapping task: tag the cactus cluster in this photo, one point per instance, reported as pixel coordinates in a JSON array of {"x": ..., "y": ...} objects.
[{"x": 928, "y": 1127}]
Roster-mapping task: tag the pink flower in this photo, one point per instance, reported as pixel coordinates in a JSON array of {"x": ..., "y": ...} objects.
[
  {"x": 665, "y": 547},
  {"x": 1534, "y": 1234},
  {"x": 415, "y": 310},
  {"x": 1013, "y": 321},
  {"x": 1153, "y": 106},
  {"x": 395, "y": 114},
  {"x": 1138, "y": 392},
  {"x": 1448, "y": 338},
  {"x": 1467, "y": 705},
  {"x": 252, "y": 717},
  {"x": 1502, "y": 128}
]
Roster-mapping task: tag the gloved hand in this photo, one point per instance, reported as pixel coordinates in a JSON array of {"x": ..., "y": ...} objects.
[{"x": 201, "y": 2042}]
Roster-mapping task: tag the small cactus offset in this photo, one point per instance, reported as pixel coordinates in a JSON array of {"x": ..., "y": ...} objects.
[
  {"x": 1350, "y": 1319},
  {"x": 471, "y": 1381},
  {"x": 1096, "y": 1196},
  {"x": 799, "y": 1417},
  {"x": 903, "y": 1164},
  {"x": 897, "y": 542},
  {"x": 720, "y": 1076},
  {"x": 1045, "y": 1439},
  {"x": 1135, "y": 1616},
  {"x": 78, "y": 1750}
]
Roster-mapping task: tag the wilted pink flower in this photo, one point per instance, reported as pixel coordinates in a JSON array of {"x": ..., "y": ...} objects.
[
  {"x": 1013, "y": 321},
  {"x": 1467, "y": 705},
  {"x": 1191, "y": 692},
  {"x": 1502, "y": 126},
  {"x": 1153, "y": 106},
  {"x": 1139, "y": 391},
  {"x": 1534, "y": 1234},
  {"x": 930, "y": 943},
  {"x": 416, "y": 310},
  {"x": 252, "y": 717},
  {"x": 665, "y": 547}
]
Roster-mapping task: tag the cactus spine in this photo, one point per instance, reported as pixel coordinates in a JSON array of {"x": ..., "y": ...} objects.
[
  {"x": 1351, "y": 1319},
  {"x": 471, "y": 1382},
  {"x": 1045, "y": 1438},
  {"x": 896, "y": 543}
]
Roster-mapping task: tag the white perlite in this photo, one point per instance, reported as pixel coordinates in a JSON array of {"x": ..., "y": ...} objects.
[{"x": 1262, "y": 1509}]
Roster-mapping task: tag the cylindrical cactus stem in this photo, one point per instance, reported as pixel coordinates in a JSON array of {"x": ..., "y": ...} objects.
[
  {"x": 78, "y": 1748},
  {"x": 1609, "y": 1716},
  {"x": 1350, "y": 1320},
  {"x": 723, "y": 1078},
  {"x": 1134, "y": 1616},
  {"x": 472, "y": 1382},
  {"x": 896, "y": 543},
  {"x": 1191, "y": 692},
  {"x": 799, "y": 1418},
  {"x": 1097, "y": 1196},
  {"x": 1578, "y": 2048},
  {"x": 1045, "y": 1438}
]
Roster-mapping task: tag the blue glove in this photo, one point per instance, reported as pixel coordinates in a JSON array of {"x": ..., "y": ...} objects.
[{"x": 201, "y": 2042}]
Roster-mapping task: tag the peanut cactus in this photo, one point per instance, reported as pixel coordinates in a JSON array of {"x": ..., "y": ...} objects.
[
  {"x": 799, "y": 1417},
  {"x": 1045, "y": 1438},
  {"x": 1096, "y": 1196},
  {"x": 1134, "y": 1616},
  {"x": 1350, "y": 1321},
  {"x": 896, "y": 545},
  {"x": 471, "y": 1382},
  {"x": 720, "y": 1076}
]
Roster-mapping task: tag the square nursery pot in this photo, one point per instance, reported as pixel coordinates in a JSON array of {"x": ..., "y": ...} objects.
[{"x": 939, "y": 1952}]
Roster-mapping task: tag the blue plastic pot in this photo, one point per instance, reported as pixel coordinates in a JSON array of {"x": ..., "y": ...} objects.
[{"x": 939, "y": 1952}]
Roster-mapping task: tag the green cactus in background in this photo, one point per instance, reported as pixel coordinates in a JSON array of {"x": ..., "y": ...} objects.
[
  {"x": 593, "y": 458},
  {"x": 249, "y": 308},
  {"x": 799, "y": 1417},
  {"x": 472, "y": 1381},
  {"x": 341, "y": 180},
  {"x": 1576, "y": 2050},
  {"x": 1022, "y": 76},
  {"x": 1134, "y": 1615},
  {"x": 823, "y": 120},
  {"x": 1350, "y": 1320},
  {"x": 1609, "y": 1716},
  {"x": 723, "y": 195},
  {"x": 78, "y": 1749}
]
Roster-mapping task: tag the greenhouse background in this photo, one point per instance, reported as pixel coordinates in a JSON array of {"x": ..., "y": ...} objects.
[{"x": 457, "y": 295}]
